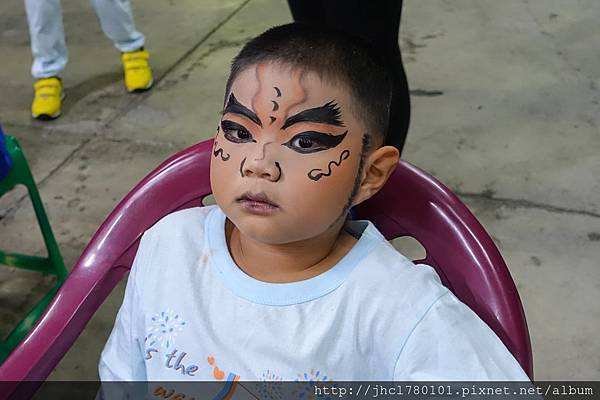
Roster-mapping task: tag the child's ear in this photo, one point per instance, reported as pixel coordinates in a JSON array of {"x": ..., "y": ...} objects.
[{"x": 378, "y": 167}]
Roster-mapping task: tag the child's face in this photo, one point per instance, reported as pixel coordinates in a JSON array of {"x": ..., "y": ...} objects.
[{"x": 286, "y": 154}]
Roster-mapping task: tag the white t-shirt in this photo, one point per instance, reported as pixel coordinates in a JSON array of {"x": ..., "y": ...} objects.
[{"x": 190, "y": 313}]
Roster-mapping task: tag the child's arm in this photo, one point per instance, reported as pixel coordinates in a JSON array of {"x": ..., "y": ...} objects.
[
  {"x": 122, "y": 357},
  {"x": 451, "y": 342}
]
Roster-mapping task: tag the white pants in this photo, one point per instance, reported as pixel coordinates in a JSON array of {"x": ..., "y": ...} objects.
[{"x": 46, "y": 30}]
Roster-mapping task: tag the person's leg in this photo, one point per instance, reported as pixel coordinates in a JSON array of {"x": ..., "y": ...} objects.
[
  {"x": 387, "y": 38},
  {"x": 307, "y": 10},
  {"x": 378, "y": 22},
  {"x": 117, "y": 23},
  {"x": 46, "y": 31}
]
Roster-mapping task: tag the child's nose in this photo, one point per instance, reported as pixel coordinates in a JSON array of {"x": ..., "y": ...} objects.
[{"x": 261, "y": 165}]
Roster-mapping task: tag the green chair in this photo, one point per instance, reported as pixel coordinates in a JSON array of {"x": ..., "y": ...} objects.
[{"x": 20, "y": 173}]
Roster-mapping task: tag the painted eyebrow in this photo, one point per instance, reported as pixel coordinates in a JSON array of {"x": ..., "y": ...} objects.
[
  {"x": 328, "y": 113},
  {"x": 234, "y": 106}
]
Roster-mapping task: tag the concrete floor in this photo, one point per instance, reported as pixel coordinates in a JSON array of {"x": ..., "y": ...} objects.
[{"x": 506, "y": 112}]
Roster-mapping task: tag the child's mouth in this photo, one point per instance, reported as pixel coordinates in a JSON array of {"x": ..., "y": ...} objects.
[{"x": 257, "y": 203}]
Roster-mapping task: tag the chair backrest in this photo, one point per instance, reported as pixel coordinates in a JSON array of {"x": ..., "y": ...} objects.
[{"x": 411, "y": 203}]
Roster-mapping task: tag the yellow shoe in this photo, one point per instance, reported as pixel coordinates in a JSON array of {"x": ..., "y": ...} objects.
[
  {"x": 48, "y": 98},
  {"x": 138, "y": 74}
]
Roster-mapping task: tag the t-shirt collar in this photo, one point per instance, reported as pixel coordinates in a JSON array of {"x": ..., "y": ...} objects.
[{"x": 281, "y": 294}]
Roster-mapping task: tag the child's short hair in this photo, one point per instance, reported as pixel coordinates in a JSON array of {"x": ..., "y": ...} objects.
[{"x": 334, "y": 56}]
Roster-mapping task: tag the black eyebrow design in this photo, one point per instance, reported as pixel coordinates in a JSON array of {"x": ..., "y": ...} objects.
[
  {"x": 329, "y": 113},
  {"x": 234, "y": 106}
]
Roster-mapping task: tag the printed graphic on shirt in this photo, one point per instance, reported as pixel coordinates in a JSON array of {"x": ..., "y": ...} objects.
[
  {"x": 270, "y": 387},
  {"x": 170, "y": 393},
  {"x": 273, "y": 386},
  {"x": 175, "y": 361},
  {"x": 232, "y": 379},
  {"x": 306, "y": 382},
  {"x": 219, "y": 374},
  {"x": 161, "y": 349},
  {"x": 159, "y": 343},
  {"x": 164, "y": 328}
]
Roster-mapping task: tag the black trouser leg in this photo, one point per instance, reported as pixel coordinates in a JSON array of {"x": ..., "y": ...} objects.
[{"x": 378, "y": 22}]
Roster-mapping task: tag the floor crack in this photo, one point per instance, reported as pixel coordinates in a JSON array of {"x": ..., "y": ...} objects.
[{"x": 525, "y": 204}]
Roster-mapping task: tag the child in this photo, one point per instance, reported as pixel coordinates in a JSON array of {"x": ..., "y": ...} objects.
[{"x": 275, "y": 282}]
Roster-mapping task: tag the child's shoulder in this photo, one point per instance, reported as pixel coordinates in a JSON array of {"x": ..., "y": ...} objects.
[
  {"x": 387, "y": 271},
  {"x": 392, "y": 287},
  {"x": 181, "y": 232},
  {"x": 171, "y": 248},
  {"x": 181, "y": 220}
]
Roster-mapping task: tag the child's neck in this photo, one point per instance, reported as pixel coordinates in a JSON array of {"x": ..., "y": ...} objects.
[{"x": 290, "y": 262}]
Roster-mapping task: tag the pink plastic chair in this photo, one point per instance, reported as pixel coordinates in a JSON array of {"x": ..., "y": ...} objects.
[{"x": 411, "y": 204}]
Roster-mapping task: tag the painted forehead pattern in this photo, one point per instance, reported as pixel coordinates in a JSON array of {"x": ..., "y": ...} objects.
[
  {"x": 271, "y": 103},
  {"x": 273, "y": 99}
]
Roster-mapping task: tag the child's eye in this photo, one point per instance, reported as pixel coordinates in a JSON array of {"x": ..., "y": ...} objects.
[
  {"x": 305, "y": 143},
  {"x": 236, "y": 133},
  {"x": 312, "y": 142}
]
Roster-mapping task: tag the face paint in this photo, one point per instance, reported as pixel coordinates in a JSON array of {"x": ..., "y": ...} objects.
[
  {"x": 279, "y": 169},
  {"x": 326, "y": 114},
  {"x": 278, "y": 125},
  {"x": 218, "y": 151},
  {"x": 366, "y": 141},
  {"x": 242, "y": 167},
  {"x": 311, "y": 142},
  {"x": 275, "y": 104},
  {"x": 234, "y": 107},
  {"x": 236, "y": 133},
  {"x": 275, "y": 101},
  {"x": 316, "y": 174}
]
